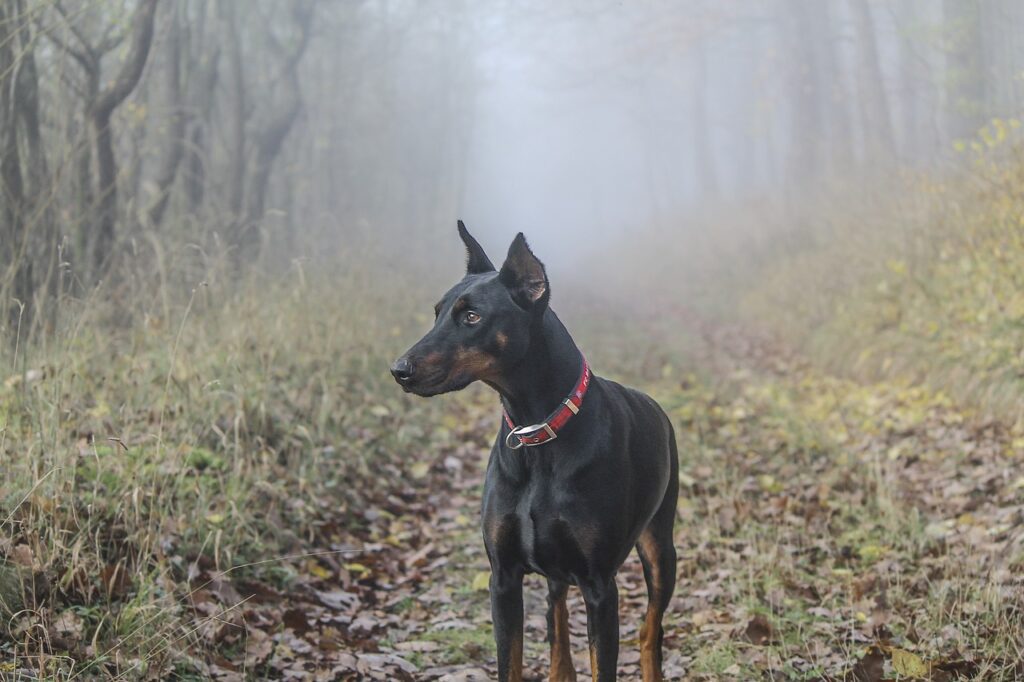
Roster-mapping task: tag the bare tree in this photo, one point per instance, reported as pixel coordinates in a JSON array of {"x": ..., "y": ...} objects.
[
  {"x": 175, "y": 146},
  {"x": 100, "y": 104},
  {"x": 272, "y": 129}
]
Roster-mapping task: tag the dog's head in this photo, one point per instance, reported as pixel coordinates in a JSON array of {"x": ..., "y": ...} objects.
[{"x": 482, "y": 325}]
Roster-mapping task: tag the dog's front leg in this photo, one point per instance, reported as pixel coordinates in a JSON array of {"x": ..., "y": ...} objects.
[
  {"x": 507, "y": 613},
  {"x": 602, "y": 599}
]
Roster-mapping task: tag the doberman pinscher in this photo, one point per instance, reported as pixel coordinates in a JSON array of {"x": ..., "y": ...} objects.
[{"x": 595, "y": 473}]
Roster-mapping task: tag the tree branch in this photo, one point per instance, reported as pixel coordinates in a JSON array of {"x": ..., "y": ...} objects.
[
  {"x": 86, "y": 45},
  {"x": 131, "y": 68},
  {"x": 83, "y": 58}
]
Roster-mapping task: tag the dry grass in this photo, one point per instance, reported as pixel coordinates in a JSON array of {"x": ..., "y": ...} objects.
[
  {"x": 179, "y": 426},
  {"x": 147, "y": 437}
]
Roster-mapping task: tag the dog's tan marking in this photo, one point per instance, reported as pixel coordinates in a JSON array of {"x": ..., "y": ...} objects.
[
  {"x": 593, "y": 663},
  {"x": 561, "y": 653},
  {"x": 587, "y": 536},
  {"x": 496, "y": 532},
  {"x": 515, "y": 656},
  {"x": 652, "y": 620},
  {"x": 501, "y": 338},
  {"x": 474, "y": 362}
]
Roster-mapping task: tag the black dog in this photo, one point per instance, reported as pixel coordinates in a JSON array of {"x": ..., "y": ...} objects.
[{"x": 595, "y": 475}]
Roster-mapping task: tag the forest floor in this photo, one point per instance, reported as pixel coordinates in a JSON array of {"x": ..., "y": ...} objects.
[{"x": 827, "y": 530}]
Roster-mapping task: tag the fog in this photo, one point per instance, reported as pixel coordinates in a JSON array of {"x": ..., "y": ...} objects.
[
  {"x": 795, "y": 224},
  {"x": 582, "y": 122},
  {"x": 270, "y": 131}
]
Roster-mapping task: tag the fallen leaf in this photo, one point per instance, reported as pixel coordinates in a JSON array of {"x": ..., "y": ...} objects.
[
  {"x": 418, "y": 645},
  {"x": 908, "y": 664},
  {"x": 22, "y": 556},
  {"x": 68, "y": 624},
  {"x": 337, "y": 599},
  {"x": 296, "y": 620},
  {"x": 358, "y": 568},
  {"x": 871, "y": 553},
  {"x": 315, "y": 568},
  {"x": 871, "y": 667},
  {"x": 759, "y": 631},
  {"x": 481, "y": 581}
]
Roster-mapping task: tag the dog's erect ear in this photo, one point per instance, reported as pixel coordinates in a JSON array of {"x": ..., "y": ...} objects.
[
  {"x": 524, "y": 275},
  {"x": 476, "y": 260}
]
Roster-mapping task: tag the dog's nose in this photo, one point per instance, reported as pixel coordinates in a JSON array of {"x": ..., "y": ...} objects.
[{"x": 402, "y": 370}]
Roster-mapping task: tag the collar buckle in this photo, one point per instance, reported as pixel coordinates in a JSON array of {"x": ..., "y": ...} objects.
[
  {"x": 523, "y": 432},
  {"x": 530, "y": 436}
]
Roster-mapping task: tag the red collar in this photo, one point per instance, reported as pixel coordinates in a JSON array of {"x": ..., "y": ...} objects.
[{"x": 547, "y": 430}]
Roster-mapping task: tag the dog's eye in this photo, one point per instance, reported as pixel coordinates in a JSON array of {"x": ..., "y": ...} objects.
[{"x": 471, "y": 317}]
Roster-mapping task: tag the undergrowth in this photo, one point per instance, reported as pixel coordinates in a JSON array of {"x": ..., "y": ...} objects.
[
  {"x": 852, "y": 507},
  {"x": 929, "y": 287},
  {"x": 211, "y": 429}
]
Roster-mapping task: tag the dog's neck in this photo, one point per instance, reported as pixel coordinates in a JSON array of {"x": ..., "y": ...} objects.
[{"x": 545, "y": 376}]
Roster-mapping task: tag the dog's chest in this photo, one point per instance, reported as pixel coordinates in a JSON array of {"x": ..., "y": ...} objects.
[{"x": 538, "y": 527}]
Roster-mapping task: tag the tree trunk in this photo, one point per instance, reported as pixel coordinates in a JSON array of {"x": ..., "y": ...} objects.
[
  {"x": 830, "y": 86},
  {"x": 100, "y": 111},
  {"x": 175, "y": 147},
  {"x": 270, "y": 137},
  {"x": 706, "y": 174},
  {"x": 878, "y": 133},
  {"x": 806, "y": 132},
  {"x": 202, "y": 80},
  {"x": 236, "y": 115},
  {"x": 16, "y": 273}
]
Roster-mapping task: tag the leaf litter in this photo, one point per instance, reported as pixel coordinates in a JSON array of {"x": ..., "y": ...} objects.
[{"x": 827, "y": 530}]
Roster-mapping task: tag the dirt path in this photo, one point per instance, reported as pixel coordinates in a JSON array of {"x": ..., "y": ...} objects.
[
  {"x": 827, "y": 530},
  {"x": 411, "y": 605}
]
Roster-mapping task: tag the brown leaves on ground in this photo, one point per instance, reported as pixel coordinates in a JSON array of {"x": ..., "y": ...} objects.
[
  {"x": 827, "y": 530},
  {"x": 817, "y": 540},
  {"x": 373, "y": 597}
]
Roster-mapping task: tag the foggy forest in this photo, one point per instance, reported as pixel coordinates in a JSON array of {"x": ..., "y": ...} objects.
[{"x": 797, "y": 224}]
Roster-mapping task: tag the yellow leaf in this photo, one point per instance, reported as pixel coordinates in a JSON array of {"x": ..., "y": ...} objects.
[
  {"x": 872, "y": 552},
  {"x": 357, "y": 568},
  {"x": 215, "y": 519},
  {"x": 419, "y": 469},
  {"x": 907, "y": 664},
  {"x": 481, "y": 581},
  {"x": 319, "y": 571},
  {"x": 897, "y": 266}
]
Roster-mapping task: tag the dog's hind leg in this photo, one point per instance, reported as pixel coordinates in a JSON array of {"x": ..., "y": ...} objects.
[
  {"x": 562, "y": 669},
  {"x": 658, "y": 555}
]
